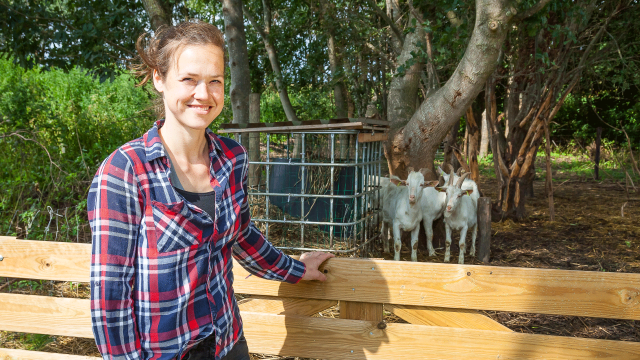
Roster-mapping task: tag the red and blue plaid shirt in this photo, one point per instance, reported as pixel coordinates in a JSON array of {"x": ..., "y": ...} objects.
[{"x": 161, "y": 278}]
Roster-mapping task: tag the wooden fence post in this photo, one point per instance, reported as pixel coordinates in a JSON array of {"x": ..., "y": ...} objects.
[
  {"x": 597, "y": 157},
  {"x": 484, "y": 229}
]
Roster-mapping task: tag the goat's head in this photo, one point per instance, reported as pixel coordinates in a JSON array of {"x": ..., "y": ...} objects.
[
  {"x": 415, "y": 182},
  {"x": 454, "y": 191}
]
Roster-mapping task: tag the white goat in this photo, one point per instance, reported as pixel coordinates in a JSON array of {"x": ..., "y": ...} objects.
[
  {"x": 401, "y": 209},
  {"x": 433, "y": 204},
  {"x": 460, "y": 214}
]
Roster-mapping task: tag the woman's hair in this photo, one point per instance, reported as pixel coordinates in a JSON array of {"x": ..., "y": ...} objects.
[{"x": 158, "y": 52}]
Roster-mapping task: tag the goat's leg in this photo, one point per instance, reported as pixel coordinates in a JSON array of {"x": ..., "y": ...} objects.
[
  {"x": 447, "y": 242},
  {"x": 397, "y": 240},
  {"x": 474, "y": 233},
  {"x": 463, "y": 244},
  {"x": 428, "y": 228},
  {"x": 414, "y": 243},
  {"x": 384, "y": 233}
]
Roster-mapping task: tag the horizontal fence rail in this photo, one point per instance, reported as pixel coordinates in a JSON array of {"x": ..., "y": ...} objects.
[
  {"x": 328, "y": 338},
  {"x": 543, "y": 291},
  {"x": 437, "y": 299}
]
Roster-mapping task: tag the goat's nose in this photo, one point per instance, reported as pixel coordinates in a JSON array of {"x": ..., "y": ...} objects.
[
  {"x": 412, "y": 197},
  {"x": 448, "y": 207}
]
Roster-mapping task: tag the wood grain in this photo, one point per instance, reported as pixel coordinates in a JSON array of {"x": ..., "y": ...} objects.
[
  {"x": 14, "y": 354},
  {"x": 544, "y": 291},
  {"x": 433, "y": 316},
  {"x": 45, "y": 315},
  {"x": 368, "y": 137},
  {"x": 44, "y": 260},
  {"x": 334, "y": 338},
  {"x": 284, "y": 306},
  {"x": 325, "y": 338},
  {"x": 355, "y": 310},
  {"x": 484, "y": 230}
]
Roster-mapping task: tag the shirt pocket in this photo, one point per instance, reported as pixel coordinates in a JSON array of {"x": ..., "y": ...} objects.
[{"x": 175, "y": 227}]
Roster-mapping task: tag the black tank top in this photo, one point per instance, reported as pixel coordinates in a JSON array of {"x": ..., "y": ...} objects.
[{"x": 205, "y": 201}]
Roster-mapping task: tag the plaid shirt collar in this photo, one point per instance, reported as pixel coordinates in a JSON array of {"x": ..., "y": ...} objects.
[{"x": 154, "y": 148}]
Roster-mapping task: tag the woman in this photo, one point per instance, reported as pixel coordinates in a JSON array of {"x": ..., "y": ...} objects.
[{"x": 169, "y": 210}]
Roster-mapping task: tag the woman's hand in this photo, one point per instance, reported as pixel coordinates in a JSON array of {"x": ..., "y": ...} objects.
[{"x": 313, "y": 260}]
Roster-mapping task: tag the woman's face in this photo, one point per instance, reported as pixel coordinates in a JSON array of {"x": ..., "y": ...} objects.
[{"x": 193, "y": 90}]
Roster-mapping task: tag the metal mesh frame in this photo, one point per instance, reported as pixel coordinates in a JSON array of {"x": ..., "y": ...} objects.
[{"x": 351, "y": 216}]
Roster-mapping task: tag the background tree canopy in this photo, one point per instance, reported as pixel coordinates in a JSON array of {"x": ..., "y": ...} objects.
[{"x": 508, "y": 70}]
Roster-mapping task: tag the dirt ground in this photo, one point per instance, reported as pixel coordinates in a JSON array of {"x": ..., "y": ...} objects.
[{"x": 589, "y": 234}]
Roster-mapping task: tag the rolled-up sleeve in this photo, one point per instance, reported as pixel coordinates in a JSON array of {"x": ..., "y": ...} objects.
[
  {"x": 257, "y": 255},
  {"x": 114, "y": 206}
]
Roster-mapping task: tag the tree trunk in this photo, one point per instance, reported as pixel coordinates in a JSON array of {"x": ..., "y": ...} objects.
[
  {"x": 273, "y": 59},
  {"x": 484, "y": 140},
  {"x": 255, "y": 171},
  {"x": 415, "y": 144},
  {"x": 401, "y": 104},
  {"x": 449, "y": 143},
  {"x": 159, "y": 11},
  {"x": 474, "y": 140},
  {"x": 238, "y": 63},
  {"x": 339, "y": 90}
]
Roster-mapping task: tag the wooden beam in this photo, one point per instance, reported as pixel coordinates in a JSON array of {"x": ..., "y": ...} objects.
[
  {"x": 355, "y": 125},
  {"x": 361, "y": 311},
  {"x": 45, "y": 315},
  {"x": 543, "y": 291},
  {"x": 44, "y": 260},
  {"x": 15, "y": 354},
  {"x": 284, "y": 306},
  {"x": 353, "y": 339},
  {"x": 458, "y": 318},
  {"x": 484, "y": 230},
  {"x": 336, "y": 338},
  {"x": 368, "y": 137}
]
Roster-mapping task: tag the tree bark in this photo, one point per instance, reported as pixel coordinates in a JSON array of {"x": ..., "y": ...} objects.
[
  {"x": 339, "y": 90},
  {"x": 159, "y": 11},
  {"x": 255, "y": 171},
  {"x": 240, "y": 88},
  {"x": 415, "y": 144},
  {"x": 484, "y": 140},
  {"x": 273, "y": 59},
  {"x": 474, "y": 141}
]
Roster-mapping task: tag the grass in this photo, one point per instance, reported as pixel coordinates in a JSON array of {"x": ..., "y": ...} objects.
[{"x": 569, "y": 164}]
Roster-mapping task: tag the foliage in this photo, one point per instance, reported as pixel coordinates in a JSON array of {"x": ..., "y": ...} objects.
[{"x": 56, "y": 129}]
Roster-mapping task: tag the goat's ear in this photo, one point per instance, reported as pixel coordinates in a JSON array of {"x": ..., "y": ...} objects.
[
  {"x": 441, "y": 189},
  {"x": 440, "y": 171},
  {"x": 409, "y": 169},
  {"x": 469, "y": 192},
  {"x": 396, "y": 182},
  {"x": 430, "y": 183}
]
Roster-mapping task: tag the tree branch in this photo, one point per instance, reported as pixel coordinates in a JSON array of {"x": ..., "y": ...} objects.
[
  {"x": 384, "y": 17},
  {"x": 531, "y": 11}
]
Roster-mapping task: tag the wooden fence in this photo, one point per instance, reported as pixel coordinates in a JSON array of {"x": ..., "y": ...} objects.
[{"x": 440, "y": 302}]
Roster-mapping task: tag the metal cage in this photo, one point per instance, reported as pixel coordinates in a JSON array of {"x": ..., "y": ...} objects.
[{"x": 316, "y": 189}]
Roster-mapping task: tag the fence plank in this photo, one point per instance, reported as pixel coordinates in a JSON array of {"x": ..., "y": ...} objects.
[
  {"x": 14, "y": 354},
  {"x": 543, "y": 291},
  {"x": 45, "y": 315},
  {"x": 458, "y": 318},
  {"x": 355, "y": 310},
  {"x": 335, "y": 338},
  {"x": 44, "y": 260},
  {"x": 353, "y": 339},
  {"x": 284, "y": 306}
]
